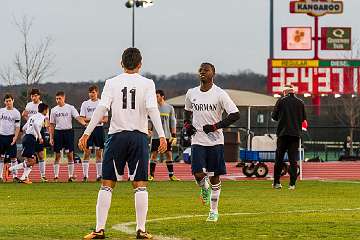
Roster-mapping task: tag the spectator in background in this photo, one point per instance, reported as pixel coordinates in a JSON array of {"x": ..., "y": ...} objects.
[
  {"x": 290, "y": 113},
  {"x": 347, "y": 146}
]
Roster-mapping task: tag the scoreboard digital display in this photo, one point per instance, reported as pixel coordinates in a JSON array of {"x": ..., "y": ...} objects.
[{"x": 314, "y": 76}]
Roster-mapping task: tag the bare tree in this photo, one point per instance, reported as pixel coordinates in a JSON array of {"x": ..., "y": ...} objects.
[
  {"x": 32, "y": 63},
  {"x": 7, "y": 76}
]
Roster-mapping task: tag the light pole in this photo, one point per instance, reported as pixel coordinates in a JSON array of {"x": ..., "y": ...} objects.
[{"x": 133, "y": 4}]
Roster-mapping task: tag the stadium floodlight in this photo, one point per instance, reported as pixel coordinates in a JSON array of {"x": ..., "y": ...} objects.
[
  {"x": 135, "y": 4},
  {"x": 139, "y": 3},
  {"x": 337, "y": 95},
  {"x": 307, "y": 95}
]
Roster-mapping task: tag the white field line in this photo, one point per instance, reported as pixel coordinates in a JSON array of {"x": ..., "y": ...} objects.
[{"x": 125, "y": 227}]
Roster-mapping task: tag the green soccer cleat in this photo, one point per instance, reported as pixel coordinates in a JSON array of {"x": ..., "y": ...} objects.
[
  {"x": 205, "y": 196},
  {"x": 213, "y": 217}
]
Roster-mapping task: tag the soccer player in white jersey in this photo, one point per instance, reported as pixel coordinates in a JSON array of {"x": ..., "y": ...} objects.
[
  {"x": 204, "y": 107},
  {"x": 131, "y": 98},
  {"x": 9, "y": 132},
  {"x": 30, "y": 110},
  {"x": 62, "y": 133},
  {"x": 32, "y": 130},
  {"x": 96, "y": 139}
]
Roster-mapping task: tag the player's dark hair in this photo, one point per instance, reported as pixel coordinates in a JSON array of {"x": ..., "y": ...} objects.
[
  {"x": 7, "y": 96},
  {"x": 35, "y": 91},
  {"x": 160, "y": 92},
  {"x": 42, "y": 107},
  {"x": 209, "y": 64},
  {"x": 131, "y": 58},
  {"x": 60, "y": 93},
  {"x": 93, "y": 88}
]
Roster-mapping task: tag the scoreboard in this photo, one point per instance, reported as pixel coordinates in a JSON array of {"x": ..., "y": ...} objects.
[{"x": 314, "y": 76}]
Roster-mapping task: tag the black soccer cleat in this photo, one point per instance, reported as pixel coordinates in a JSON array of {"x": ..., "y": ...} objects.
[
  {"x": 71, "y": 179},
  {"x": 95, "y": 235},
  {"x": 143, "y": 235}
]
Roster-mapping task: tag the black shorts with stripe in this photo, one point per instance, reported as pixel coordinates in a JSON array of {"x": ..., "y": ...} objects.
[
  {"x": 6, "y": 149},
  {"x": 64, "y": 139},
  {"x": 96, "y": 139}
]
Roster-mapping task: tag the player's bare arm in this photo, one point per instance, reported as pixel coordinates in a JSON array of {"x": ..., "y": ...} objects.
[
  {"x": 51, "y": 133},
  {"x": 17, "y": 133},
  {"x": 81, "y": 120}
]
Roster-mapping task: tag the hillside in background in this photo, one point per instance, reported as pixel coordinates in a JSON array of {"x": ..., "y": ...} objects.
[{"x": 172, "y": 85}]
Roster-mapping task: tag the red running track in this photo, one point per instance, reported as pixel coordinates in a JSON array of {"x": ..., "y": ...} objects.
[{"x": 311, "y": 171}]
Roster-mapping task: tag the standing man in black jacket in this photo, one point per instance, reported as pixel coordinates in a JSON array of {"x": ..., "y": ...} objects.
[{"x": 289, "y": 111}]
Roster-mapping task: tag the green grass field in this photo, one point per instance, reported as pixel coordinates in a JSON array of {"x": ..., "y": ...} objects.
[{"x": 248, "y": 210}]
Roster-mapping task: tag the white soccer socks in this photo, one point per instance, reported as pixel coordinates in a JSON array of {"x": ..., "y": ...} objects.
[
  {"x": 71, "y": 169},
  {"x": 102, "y": 207},
  {"x": 26, "y": 173},
  {"x": 14, "y": 171},
  {"x": 141, "y": 207},
  {"x": 215, "y": 196},
  {"x": 85, "y": 167},
  {"x": 1, "y": 168},
  {"x": 18, "y": 166},
  {"x": 42, "y": 167},
  {"x": 56, "y": 170},
  {"x": 99, "y": 168}
]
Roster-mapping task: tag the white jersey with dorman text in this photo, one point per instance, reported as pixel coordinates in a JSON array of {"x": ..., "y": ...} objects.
[
  {"x": 9, "y": 121},
  {"x": 33, "y": 108},
  {"x": 207, "y": 108},
  {"x": 129, "y": 96},
  {"x": 34, "y": 124},
  {"x": 88, "y": 107},
  {"x": 62, "y": 116}
]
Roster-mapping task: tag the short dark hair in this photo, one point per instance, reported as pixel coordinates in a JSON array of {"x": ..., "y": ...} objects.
[
  {"x": 209, "y": 64},
  {"x": 160, "y": 92},
  {"x": 35, "y": 91},
  {"x": 131, "y": 58},
  {"x": 7, "y": 96},
  {"x": 42, "y": 107},
  {"x": 93, "y": 88},
  {"x": 60, "y": 93}
]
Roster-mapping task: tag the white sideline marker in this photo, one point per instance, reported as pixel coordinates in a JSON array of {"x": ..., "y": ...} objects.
[{"x": 125, "y": 227}]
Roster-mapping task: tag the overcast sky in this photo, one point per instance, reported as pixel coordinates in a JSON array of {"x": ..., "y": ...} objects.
[{"x": 174, "y": 36}]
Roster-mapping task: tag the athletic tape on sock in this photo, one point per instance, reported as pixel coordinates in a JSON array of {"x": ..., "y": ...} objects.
[
  {"x": 106, "y": 188},
  {"x": 140, "y": 189}
]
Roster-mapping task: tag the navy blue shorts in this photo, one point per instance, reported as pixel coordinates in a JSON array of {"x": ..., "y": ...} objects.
[
  {"x": 28, "y": 142},
  {"x": 96, "y": 139},
  {"x": 208, "y": 159},
  {"x": 64, "y": 139},
  {"x": 40, "y": 147},
  {"x": 6, "y": 149},
  {"x": 129, "y": 147}
]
